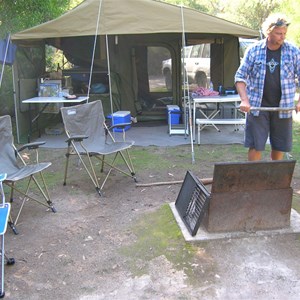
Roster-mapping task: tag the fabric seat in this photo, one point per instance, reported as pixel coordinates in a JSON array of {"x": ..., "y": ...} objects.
[
  {"x": 16, "y": 169},
  {"x": 89, "y": 137}
]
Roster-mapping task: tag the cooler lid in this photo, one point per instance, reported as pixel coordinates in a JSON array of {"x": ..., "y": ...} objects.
[
  {"x": 173, "y": 107},
  {"x": 121, "y": 113}
]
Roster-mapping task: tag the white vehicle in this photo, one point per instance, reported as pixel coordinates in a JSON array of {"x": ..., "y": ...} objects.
[{"x": 197, "y": 63}]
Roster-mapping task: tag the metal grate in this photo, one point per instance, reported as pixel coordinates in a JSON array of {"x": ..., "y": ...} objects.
[{"x": 192, "y": 202}]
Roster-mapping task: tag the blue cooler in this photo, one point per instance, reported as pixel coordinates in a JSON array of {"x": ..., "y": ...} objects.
[
  {"x": 173, "y": 117},
  {"x": 121, "y": 117}
]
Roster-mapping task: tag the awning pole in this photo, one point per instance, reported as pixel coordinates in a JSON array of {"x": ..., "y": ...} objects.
[
  {"x": 94, "y": 49},
  {"x": 186, "y": 90},
  {"x": 15, "y": 104},
  {"x": 109, "y": 80}
]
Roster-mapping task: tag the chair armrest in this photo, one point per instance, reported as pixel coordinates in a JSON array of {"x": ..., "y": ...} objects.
[
  {"x": 31, "y": 146},
  {"x": 76, "y": 138},
  {"x": 122, "y": 125}
]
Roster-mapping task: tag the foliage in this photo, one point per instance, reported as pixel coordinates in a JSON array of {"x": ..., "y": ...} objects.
[
  {"x": 291, "y": 9},
  {"x": 190, "y": 3},
  {"x": 16, "y": 15},
  {"x": 250, "y": 13}
]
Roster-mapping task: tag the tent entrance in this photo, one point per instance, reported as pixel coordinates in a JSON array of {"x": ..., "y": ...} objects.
[{"x": 150, "y": 88}]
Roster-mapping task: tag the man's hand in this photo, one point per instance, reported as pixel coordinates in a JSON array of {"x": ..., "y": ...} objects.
[
  {"x": 241, "y": 89},
  {"x": 245, "y": 105}
]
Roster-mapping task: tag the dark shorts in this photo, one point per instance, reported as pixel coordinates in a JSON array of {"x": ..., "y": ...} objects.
[{"x": 268, "y": 124}]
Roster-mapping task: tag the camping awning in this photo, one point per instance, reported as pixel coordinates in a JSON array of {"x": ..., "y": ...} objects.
[{"x": 131, "y": 17}]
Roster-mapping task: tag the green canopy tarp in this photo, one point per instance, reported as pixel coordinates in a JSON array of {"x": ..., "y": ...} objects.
[
  {"x": 131, "y": 17},
  {"x": 125, "y": 29}
]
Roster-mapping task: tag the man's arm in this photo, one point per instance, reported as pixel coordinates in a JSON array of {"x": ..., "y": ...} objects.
[{"x": 241, "y": 89}]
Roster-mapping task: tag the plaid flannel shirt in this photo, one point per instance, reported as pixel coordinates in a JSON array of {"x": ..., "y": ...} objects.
[{"x": 252, "y": 72}]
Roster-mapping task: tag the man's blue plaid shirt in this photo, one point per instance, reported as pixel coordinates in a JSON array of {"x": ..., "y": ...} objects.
[{"x": 252, "y": 71}]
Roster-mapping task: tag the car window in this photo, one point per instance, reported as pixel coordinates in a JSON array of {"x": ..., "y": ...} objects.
[
  {"x": 244, "y": 44},
  {"x": 186, "y": 52},
  {"x": 206, "y": 51},
  {"x": 195, "y": 51}
]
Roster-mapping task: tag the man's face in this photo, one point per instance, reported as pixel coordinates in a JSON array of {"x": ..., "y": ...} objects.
[{"x": 277, "y": 36}]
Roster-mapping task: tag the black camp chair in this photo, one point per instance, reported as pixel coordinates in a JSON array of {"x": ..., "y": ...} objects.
[
  {"x": 17, "y": 170},
  {"x": 89, "y": 137}
]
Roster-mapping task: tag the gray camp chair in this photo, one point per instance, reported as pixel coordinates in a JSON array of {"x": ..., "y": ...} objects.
[
  {"x": 90, "y": 139},
  {"x": 13, "y": 164},
  {"x": 4, "y": 214}
]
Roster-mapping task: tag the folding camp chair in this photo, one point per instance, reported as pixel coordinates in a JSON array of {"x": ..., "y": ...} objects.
[
  {"x": 13, "y": 164},
  {"x": 89, "y": 137},
  {"x": 4, "y": 214}
]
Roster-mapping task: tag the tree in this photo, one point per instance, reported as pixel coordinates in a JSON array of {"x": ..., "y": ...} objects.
[
  {"x": 189, "y": 3},
  {"x": 250, "y": 13},
  {"x": 291, "y": 9},
  {"x": 17, "y": 15}
]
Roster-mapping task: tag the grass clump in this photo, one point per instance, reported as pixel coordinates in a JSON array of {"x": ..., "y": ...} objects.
[{"x": 157, "y": 234}]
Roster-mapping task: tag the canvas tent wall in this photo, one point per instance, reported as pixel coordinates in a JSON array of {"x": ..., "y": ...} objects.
[{"x": 129, "y": 27}]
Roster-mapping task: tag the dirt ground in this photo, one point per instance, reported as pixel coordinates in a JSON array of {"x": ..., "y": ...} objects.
[{"x": 117, "y": 247}]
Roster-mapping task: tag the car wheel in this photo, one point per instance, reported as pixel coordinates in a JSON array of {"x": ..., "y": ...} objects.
[{"x": 201, "y": 79}]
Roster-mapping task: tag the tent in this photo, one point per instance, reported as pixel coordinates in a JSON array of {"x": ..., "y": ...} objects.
[{"x": 117, "y": 38}]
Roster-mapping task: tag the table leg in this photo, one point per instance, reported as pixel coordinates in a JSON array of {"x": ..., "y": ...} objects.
[{"x": 35, "y": 119}]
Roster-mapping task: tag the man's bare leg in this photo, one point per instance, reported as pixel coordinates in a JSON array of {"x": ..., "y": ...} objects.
[
  {"x": 253, "y": 154},
  {"x": 277, "y": 155}
]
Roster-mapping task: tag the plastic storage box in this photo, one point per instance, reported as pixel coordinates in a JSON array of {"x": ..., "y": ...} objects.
[
  {"x": 173, "y": 114},
  {"x": 121, "y": 117}
]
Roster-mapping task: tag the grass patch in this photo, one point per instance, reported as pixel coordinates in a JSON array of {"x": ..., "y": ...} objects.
[{"x": 157, "y": 234}]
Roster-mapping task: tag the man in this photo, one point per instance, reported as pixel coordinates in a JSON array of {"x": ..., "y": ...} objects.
[{"x": 267, "y": 78}]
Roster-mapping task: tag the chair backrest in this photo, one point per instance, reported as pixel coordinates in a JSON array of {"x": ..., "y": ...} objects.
[
  {"x": 85, "y": 119},
  {"x": 7, "y": 151}
]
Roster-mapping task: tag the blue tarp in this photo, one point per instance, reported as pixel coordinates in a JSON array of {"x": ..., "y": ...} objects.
[{"x": 7, "y": 52}]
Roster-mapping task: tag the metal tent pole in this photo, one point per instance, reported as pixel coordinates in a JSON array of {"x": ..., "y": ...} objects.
[
  {"x": 186, "y": 89},
  {"x": 94, "y": 49},
  {"x": 15, "y": 104},
  {"x": 109, "y": 79},
  {"x": 108, "y": 61}
]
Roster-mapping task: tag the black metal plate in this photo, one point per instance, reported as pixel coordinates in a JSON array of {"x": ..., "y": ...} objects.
[{"x": 192, "y": 202}]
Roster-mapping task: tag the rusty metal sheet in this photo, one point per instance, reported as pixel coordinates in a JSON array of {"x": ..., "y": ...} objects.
[
  {"x": 252, "y": 176},
  {"x": 249, "y": 211}
]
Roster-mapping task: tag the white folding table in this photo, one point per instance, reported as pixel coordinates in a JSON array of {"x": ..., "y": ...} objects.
[
  {"x": 212, "y": 100},
  {"x": 46, "y": 101}
]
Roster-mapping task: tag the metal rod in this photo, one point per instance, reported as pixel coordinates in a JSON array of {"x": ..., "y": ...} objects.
[
  {"x": 186, "y": 88},
  {"x": 94, "y": 50},
  {"x": 272, "y": 108},
  {"x": 205, "y": 181}
]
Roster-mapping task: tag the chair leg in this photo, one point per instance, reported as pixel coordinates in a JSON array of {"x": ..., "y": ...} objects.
[
  {"x": 66, "y": 167},
  {"x": 9, "y": 262},
  {"x": 113, "y": 167},
  {"x": 90, "y": 170},
  {"x": 2, "y": 293},
  {"x": 42, "y": 190}
]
